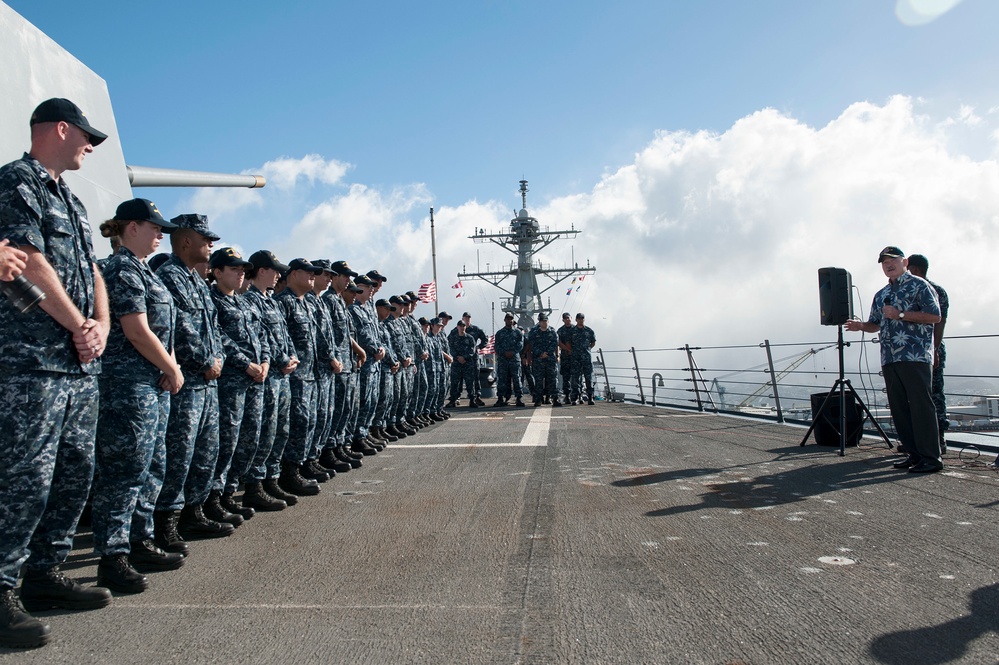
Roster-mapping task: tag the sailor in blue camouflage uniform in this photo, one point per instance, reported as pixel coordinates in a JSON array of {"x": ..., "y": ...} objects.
[
  {"x": 389, "y": 369},
  {"x": 565, "y": 353},
  {"x": 543, "y": 341},
  {"x": 435, "y": 366},
  {"x": 581, "y": 340},
  {"x": 463, "y": 370},
  {"x": 328, "y": 365},
  {"x": 919, "y": 265},
  {"x": 406, "y": 350},
  {"x": 261, "y": 489},
  {"x": 445, "y": 378},
  {"x": 140, "y": 373},
  {"x": 509, "y": 343},
  {"x": 481, "y": 340},
  {"x": 336, "y": 452},
  {"x": 345, "y": 427},
  {"x": 241, "y": 386},
  {"x": 420, "y": 355},
  {"x": 397, "y": 346},
  {"x": 192, "y": 438},
  {"x": 48, "y": 384},
  {"x": 904, "y": 313},
  {"x": 302, "y": 330},
  {"x": 368, "y": 339}
]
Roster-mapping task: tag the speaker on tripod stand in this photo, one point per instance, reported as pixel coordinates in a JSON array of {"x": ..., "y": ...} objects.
[{"x": 835, "y": 309}]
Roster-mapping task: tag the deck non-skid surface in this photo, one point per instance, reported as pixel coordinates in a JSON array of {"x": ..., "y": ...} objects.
[{"x": 605, "y": 534}]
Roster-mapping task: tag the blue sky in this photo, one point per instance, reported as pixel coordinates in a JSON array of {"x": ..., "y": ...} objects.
[{"x": 687, "y": 140}]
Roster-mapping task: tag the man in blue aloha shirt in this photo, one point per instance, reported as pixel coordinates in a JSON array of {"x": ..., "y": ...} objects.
[{"x": 904, "y": 313}]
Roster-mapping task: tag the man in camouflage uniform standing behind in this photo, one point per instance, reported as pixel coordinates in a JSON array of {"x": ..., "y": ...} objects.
[
  {"x": 581, "y": 340},
  {"x": 919, "y": 265},
  {"x": 544, "y": 353},
  {"x": 48, "y": 382},
  {"x": 564, "y": 365},
  {"x": 509, "y": 343},
  {"x": 192, "y": 438}
]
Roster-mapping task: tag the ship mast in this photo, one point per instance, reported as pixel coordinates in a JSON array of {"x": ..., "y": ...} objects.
[{"x": 524, "y": 238}]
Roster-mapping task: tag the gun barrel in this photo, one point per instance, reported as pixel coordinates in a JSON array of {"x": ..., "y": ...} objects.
[{"x": 147, "y": 176}]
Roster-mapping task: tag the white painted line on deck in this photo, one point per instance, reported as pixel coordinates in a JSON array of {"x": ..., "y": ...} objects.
[
  {"x": 564, "y": 417},
  {"x": 535, "y": 436},
  {"x": 480, "y": 418},
  {"x": 687, "y": 415},
  {"x": 590, "y": 417}
]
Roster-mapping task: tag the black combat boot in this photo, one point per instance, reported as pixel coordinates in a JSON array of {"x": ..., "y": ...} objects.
[
  {"x": 194, "y": 525},
  {"x": 359, "y": 446},
  {"x": 385, "y": 436},
  {"x": 146, "y": 557},
  {"x": 377, "y": 444},
  {"x": 452, "y": 404},
  {"x": 229, "y": 503},
  {"x": 396, "y": 432},
  {"x": 291, "y": 481},
  {"x": 273, "y": 489},
  {"x": 254, "y": 496},
  {"x": 117, "y": 574},
  {"x": 310, "y": 471},
  {"x": 329, "y": 460},
  {"x": 166, "y": 537},
  {"x": 49, "y": 589},
  {"x": 215, "y": 511},
  {"x": 520, "y": 402},
  {"x": 344, "y": 456},
  {"x": 18, "y": 629}
]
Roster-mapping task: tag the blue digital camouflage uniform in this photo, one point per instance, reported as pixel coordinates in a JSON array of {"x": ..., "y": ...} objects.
[
  {"x": 937, "y": 382},
  {"x": 241, "y": 399},
  {"x": 444, "y": 377},
  {"x": 544, "y": 342},
  {"x": 907, "y": 347},
  {"x": 434, "y": 367},
  {"x": 131, "y": 428},
  {"x": 192, "y": 439},
  {"x": 404, "y": 349},
  {"x": 463, "y": 347},
  {"x": 277, "y": 389},
  {"x": 580, "y": 362},
  {"x": 325, "y": 354},
  {"x": 345, "y": 390},
  {"x": 368, "y": 339},
  {"x": 302, "y": 331},
  {"x": 386, "y": 379},
  {"x": 508, "y": 341},
  {"x": 48, "y": 401},
  {"x": 418, "y": 394},
  {"x": 564, "y": 366}
]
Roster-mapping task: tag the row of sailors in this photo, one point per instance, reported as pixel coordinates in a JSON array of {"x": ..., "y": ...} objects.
[{"x": 275, "y": 387}]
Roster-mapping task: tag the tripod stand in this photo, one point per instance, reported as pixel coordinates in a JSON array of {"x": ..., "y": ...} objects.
[{"x": 841, "y": 386}]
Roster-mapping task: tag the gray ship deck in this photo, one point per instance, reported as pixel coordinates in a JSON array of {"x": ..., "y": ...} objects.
[{"x": 606, "y": 534}]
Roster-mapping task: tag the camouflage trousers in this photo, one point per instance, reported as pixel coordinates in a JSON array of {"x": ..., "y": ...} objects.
[
  {"x": 439, "y": 379},
  {"x": 507, "y": 372},
  {"x": 565, "y": 371},
  {"x": 131, "y": 462},
  {"x": 433, "y": 386},
  {"x": 302, "y": 426},
  {"x": 325, "y": 400},
  {"x": 344, "y": 407},
  {"x": 467, "y": 374},
  {"x": 939, "y": 398},
  {"x": 544, "y": 378},
  {"x": 241, "y": 407},
  {"x": 192, "y": 448},
  {"x": 386, "y": 396},
  {"x": 418, "y": 396},
  {"x": 581, "y": 371},
  {"x": 367, "y": 397},
  {"x": 406, "y": 376},
  {"x": 273, "y": 426},
  {"x": 46, "y": 464}
]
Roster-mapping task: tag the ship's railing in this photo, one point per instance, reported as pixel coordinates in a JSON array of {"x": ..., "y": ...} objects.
[{"x": 776, "y": 381}]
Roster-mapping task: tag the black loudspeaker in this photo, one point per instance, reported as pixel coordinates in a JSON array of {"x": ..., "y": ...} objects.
[
  {"x": 826, "y": 428},
  {"x": 835, "y": 296}
]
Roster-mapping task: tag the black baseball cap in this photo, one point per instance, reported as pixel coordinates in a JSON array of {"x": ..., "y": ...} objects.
[
  {"x": 341, "y": 268},
  {"x": 384, "y": 303},
  {"x": 436, "y": 321},
  {"x": 142, "y": 210},
  {"x": 365, "y": 280},
  {"x": 508, "y": 317},
  {"x": 265, "y": 259},
  {"x": 445, "y": 315},
  {"x": 304, "y": 264},
  {"x": 542, "y": 317},
  {"x": 466, "y": 314},
  {"x": 225, "y": 257},
  {"x": 195, "y": 222},
  {"x": 63, "y": 110},
  {"x": 374, "y": 274},
  {"x": 460, "y": 323},
  {"x": 325, "y": 265},
  {"x": 890, "y": 252},
  {"x": 579, "y": 315}
]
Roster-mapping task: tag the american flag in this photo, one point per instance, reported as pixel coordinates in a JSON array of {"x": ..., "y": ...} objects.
[
  {"x": 427, "y": 292},
  {"x": 490, "y": 346}
]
